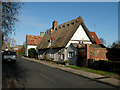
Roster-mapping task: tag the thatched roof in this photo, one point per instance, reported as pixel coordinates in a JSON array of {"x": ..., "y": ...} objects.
[{"x": 62, "y": 34}]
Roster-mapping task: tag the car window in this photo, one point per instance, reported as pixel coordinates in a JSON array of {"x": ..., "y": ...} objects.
[{"x": 9, "y": 53}]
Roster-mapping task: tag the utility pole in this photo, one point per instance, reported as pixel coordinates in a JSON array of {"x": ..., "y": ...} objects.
[
  {"x": 0, "y": 45},
  {"x": 119, "y": 21}
]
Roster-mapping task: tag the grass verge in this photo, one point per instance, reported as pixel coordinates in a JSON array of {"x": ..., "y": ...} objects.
[{"x": 105, "y": 73}]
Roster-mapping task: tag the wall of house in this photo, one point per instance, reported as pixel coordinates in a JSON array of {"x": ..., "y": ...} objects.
[
  {"x": 41, "y": 53},
  {"x": 28, "y": 47},
  {"x": 74, "y": 58},
  {"x": 53, "y": 54},
  {"x": 79, "y": 35},
  {"x": 49, "y": 54}
]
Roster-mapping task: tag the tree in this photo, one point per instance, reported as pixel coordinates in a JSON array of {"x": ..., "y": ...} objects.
[
  {"x": 10, "y": 12},
  {"x": 12, "y": 42},
  {"x": 115, "y": 44},
  {"x": 102, "y": 41}
]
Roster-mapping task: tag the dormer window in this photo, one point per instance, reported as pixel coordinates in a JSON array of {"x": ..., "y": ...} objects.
[
  {"x": 59, "y": 27},
  {"x": 67, "y": 24},
  {"x": 55, "y": 28},
  {"x": 72, "y": 23},
  {"x": 63, "y": 25},
  {"x": 48, "y": 40}
]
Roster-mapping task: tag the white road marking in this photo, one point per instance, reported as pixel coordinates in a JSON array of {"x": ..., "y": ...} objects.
[{"x": 47, "y": 77}]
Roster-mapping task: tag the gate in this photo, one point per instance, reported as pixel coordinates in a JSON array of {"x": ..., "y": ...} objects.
[{"x": 81, "y": 57}]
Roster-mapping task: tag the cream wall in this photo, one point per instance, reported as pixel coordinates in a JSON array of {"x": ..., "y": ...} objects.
[{"x": 79, "y": 35}]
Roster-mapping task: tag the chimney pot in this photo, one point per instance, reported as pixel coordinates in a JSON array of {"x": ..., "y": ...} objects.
[
  {"x": 55, "y": 23},
  {"x": 41, "y": 34}
]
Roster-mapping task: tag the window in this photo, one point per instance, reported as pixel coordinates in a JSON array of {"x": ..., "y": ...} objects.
[
  {"x": 71, "y": 54},
  {"x": 55, "y": 28},
  {"x": 76, "y": 21},
  {"x": 52, "y": 55},
  {"x": 67, "y": 24},
  {"x": 63, "y": 25},
  {"x": 72, "y": 23},
  {"x": 62, "y": 56}
]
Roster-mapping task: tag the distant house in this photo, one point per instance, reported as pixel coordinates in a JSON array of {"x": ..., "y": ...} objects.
[
  {"x": 6, "y": 46},
  {"x": 32, "y": 41},
  {"x": 19, "y": 48},
  {"x": 56, "y": 42}
]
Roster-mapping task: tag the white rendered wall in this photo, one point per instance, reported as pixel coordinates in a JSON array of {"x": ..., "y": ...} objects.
[
  {"x": 28, "y": 47},
  {"x": 79, "y": 35}
]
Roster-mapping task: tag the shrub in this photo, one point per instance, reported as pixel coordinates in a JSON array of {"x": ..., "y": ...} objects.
[
  {"x": 32, "y": 53},
  {"x": 112, "y": 66},
  {"x": 67, "y": 61}
]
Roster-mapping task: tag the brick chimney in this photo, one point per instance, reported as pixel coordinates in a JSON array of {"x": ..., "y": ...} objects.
[
  {"x": 41, "y": 34},
  {"x": 54, "y": 24}
]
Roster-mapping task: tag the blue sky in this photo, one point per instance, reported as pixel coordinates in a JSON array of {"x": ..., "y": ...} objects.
[{"x": 36, "y": 17}]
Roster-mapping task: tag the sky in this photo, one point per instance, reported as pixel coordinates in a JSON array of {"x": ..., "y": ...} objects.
[{"x": 36, "y": 17}]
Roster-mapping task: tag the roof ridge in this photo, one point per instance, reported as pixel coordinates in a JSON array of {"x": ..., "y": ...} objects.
[
  {"x": 33, "y": 35},
  {"x": 78, "y": 18}
]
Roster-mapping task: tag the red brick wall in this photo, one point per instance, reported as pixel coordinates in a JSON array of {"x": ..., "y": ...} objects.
[{"x": 96, "y": 53}]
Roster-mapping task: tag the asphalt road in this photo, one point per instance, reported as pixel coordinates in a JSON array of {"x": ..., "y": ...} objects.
[{"x": 27, "y": 74}]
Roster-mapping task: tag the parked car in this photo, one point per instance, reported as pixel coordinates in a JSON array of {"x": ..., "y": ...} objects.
[{"x": 9, "y": 56}]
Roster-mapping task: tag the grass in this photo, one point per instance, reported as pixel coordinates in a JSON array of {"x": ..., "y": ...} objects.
[
  {"x": 105, "y": 73},
  {"x": 78, "y": 68}
]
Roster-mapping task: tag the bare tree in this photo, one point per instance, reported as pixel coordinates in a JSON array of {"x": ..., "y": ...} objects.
[
  {"x": 10, "y": 12},
  {"x": 12, "y": 42},
  {"x": 102, "y": 41},
  {"x": 115, "y": 44}
]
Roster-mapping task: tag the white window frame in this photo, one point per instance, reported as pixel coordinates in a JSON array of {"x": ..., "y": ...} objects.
[
  {"x": 62, "y": 56},
  {"x": 71, "y": 54}
]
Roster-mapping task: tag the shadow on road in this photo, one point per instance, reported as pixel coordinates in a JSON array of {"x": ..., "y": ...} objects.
[{"x": 13, "y": 75}]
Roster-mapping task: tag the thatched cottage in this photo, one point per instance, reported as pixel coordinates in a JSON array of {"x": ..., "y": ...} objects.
[{"x": 55, "y": 45}]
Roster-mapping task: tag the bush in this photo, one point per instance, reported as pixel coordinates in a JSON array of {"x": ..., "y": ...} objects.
[
  {"x": 32, "y": 53},
  {"x": 67, "y": 61},
  {"x": 112, "y": 66},
  {"x": 20, "y": 53},
  {"x": 113, "y": 54}
]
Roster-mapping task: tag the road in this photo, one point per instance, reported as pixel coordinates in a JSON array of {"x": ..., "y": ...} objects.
[{"x": 27, "y": 74}]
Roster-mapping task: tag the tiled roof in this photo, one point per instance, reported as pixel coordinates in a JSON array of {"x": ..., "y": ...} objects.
[
  {"x": 33, "y": 40},
  {"x": 95, "y": 37}
]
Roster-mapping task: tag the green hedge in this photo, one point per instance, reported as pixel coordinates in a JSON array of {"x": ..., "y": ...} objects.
[
  {"x": 20, "y": 53},
  {"x": 111, "y": 66},
  {"x": 32, "y": 53}
]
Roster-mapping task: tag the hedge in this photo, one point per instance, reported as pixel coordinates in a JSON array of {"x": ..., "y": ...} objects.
[{"x": 111, "y": 66}]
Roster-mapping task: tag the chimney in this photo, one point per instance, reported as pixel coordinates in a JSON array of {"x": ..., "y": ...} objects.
[
  {"x": 41, "y": 34},
  {"x": 8, "y": 44},
  {"x": 54, "y": 24}
]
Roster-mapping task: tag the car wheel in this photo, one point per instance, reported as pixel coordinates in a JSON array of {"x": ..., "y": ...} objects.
[{"x": 14, "y": 61}]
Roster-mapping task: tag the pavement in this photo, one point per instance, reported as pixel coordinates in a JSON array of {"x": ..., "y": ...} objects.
[{"x": 93, "y": 76}]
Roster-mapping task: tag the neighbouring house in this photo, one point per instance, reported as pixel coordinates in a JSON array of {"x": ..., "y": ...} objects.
[
  {"x": 61, "y": 41},
  {"x": 32, "y": 41},
  {"x": 19, "y": 49},
  {"x": 6, "y": 47}
]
